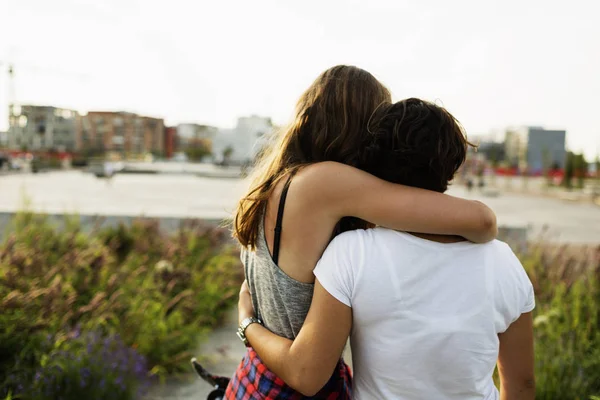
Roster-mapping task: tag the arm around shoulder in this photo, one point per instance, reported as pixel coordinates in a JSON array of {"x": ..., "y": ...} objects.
[
  {"x": 306, "y": 364},
  {"x": 342, "y": 190}
]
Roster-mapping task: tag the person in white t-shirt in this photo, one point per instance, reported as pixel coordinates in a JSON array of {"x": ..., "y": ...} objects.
[{"x": 429, "y": 317}]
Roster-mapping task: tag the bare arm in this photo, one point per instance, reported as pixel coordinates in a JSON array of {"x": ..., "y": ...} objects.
[
  {"x": 307, "y": 363},
  {"x": 342, "y": 191},
  {"x": 516, "y": 361}
]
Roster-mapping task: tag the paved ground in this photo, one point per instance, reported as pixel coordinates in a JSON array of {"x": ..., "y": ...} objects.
[
  {"x": 168, "y": 195},
  {"x": 221, "y": 354},
  {"x": 191, "y": 196},
  {"x": 576, "y": 222}
]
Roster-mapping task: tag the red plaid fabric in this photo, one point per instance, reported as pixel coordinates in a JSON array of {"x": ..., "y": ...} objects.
[{"x": 253, "y": 381}]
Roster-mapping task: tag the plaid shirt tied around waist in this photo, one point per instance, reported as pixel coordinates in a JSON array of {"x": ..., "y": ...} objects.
[{"x": 254, "y": 381}]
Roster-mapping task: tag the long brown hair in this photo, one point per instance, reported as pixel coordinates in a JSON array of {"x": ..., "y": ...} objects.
[{"x": 330, "y": 124}]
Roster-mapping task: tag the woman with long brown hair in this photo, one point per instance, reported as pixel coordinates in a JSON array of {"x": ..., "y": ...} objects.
[{"x": 326, "y": 196}]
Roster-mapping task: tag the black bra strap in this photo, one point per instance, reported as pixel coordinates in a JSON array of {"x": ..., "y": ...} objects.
[{"x": 277, "y": 238}]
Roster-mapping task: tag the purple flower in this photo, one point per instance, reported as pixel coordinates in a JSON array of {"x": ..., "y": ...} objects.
[
  {"x": 140, "y": 368},
  {"x": 85, "y": 375},
  {"x": 120, "y": 383}
]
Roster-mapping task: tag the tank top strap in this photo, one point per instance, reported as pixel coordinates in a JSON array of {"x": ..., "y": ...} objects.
[{"x": 278, "y": 224}]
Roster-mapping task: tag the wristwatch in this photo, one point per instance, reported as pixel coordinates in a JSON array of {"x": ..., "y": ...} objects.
[{"x": 241, "y": 332}]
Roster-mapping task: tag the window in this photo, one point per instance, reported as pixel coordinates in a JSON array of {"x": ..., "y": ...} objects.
[
  {"x": 22, "y": 121},
  {"x": 16, "y": 110}
]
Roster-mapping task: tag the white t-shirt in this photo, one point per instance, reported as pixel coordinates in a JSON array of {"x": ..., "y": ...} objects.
[{"x": 426, "y": 315}]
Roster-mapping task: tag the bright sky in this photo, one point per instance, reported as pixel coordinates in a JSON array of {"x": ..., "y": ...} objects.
[{"x": 491, "y": 63}]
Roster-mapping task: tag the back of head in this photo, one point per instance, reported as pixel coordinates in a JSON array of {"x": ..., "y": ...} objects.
[
  {"x": 330, "y": 124},
  {"x": 415, "y": 143},
  {"x": 332, "y": 115}
]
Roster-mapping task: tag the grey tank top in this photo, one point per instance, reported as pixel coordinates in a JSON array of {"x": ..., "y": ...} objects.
[{"x": 280, "y": 301}]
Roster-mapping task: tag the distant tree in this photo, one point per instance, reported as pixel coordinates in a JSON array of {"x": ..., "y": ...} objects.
[
  {"x": 93, "y": 152},
  {"x": 197, "y": 153},
  {"x": 227, "y": 153},
  {"x": 546, "y": 166},
  {"x": 494, "y": 156},
  {"x": 569, "y": 170},
  {"x": 575, "y": 166},
  {"x": 198, "y": 149},
  {"x": 581, "y": 169},
  {"x": 597, "y": 185}
]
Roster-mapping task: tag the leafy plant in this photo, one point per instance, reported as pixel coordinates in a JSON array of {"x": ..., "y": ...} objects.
[
  {"x": 566, "y": 320},
  {"x": 150, "y": 294}
]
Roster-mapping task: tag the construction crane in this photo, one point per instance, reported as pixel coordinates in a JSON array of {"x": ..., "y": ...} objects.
[
  {"x": 12, "y": 95},
  {"x": 11, "y": 83},
  {"x": 13, "y": 104},
  {"x": 14, "y": 109}
]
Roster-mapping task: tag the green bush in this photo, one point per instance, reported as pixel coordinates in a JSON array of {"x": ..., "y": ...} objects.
[
  {"x": 97, "y": 315},
  {"x": 566, "y": 320},
  {"x": 151, "y": 293}
]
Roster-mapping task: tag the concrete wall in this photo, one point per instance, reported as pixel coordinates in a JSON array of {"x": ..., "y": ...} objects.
[
  {"x": 515, "y": 235},
  {"x": 89, "y": 222}
]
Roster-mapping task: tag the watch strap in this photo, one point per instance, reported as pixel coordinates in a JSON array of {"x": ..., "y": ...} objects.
[{"x": 241, "y": 332}]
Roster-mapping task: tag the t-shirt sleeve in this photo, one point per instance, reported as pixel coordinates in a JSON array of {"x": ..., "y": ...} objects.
[
  {"x": 336, "y": 268},
  {"x": 514, "y": 291}
]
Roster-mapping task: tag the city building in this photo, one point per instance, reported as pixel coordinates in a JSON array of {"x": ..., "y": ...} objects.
[
  {"x": 241, "y": 144},
  {"x": 41, "y": 128},
  {"x": 535, "y": 149},
  {"x": 124, "y": 132},
  {"x": 195, "y": 135},
  {"x": 3, "y": 139},
  {"x": 170, "y": 141}
]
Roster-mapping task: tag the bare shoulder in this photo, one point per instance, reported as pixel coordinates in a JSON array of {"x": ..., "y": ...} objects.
[
  {"x": 329, "y": 175},
  {"x": 323, "y": 170}
]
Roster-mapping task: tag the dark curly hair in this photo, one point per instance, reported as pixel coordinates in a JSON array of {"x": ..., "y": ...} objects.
[{"x": 415, "y": 143}]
